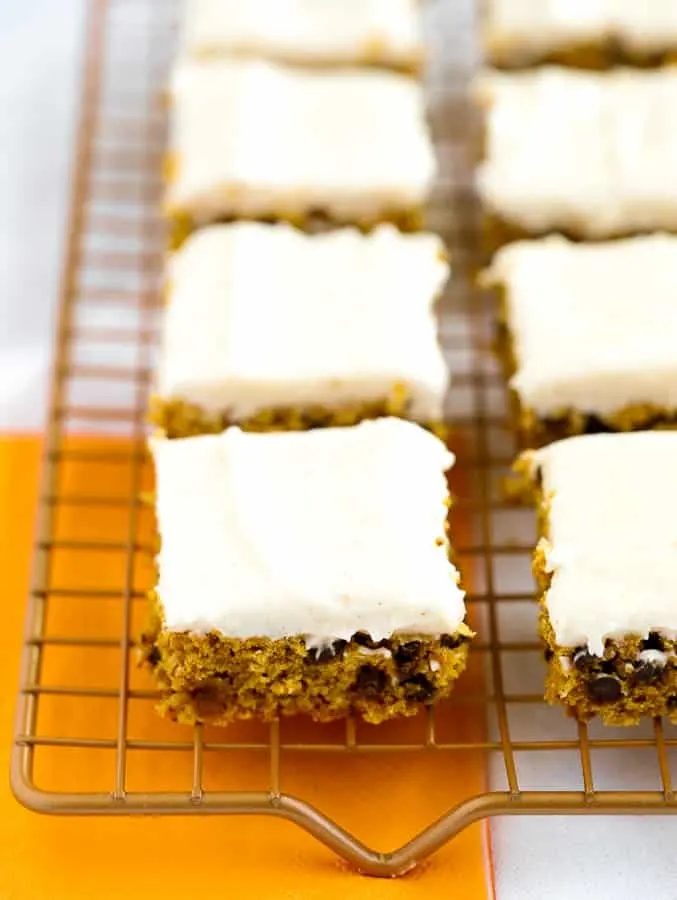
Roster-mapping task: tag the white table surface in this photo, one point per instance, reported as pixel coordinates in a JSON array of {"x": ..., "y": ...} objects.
[{"x": 539, "y": 858}]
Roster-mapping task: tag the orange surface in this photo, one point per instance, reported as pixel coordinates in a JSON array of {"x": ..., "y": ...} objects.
[{"x": 385, "y": 799}]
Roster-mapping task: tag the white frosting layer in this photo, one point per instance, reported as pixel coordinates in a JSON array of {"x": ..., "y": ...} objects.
[
  {"x": 255, "y": 139},
  {"x": 263, "y": 316},
  {"x": 613, "y": 534},
  {"x": 594, "y": 153},
  {"x": 321, "y": 533},
  {"x": 305, "y": 31},
  {"x": 594, "y": 326},
  {"x": 524, "y": 29}
]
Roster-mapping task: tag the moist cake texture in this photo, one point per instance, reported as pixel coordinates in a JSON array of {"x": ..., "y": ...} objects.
[
  {"x": 306, "y": 32},
  {"x": 593, "y": 155},
  {"x": 607, "y": 568},
  {"x": 268, "y": 327},
  {"x": 351, "y": 146},
  {"x": 305, "y": 573},
  {"x": 589, "y": 333},
  {"x": 591, "y": 33}
]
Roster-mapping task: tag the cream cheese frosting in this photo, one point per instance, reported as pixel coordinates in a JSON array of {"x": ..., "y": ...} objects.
[
  {"x": 593, "y": 326},
  {"x": 591, "y": 153},
  {"x": 526, "y": 29},
  {"x": 612, "y": 545},
  {"x": 266, "y": 316},
  {"x": 320, "y": 534},
  {"x": 324, "y": 32},
  {"x": 258, "y": 140}
]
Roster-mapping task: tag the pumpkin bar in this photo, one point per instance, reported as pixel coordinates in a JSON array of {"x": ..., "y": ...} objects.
[
  {"x": 589, "y": 334},
  {"x": 607, "y": 569},
  {"x": 304, "y": 573},
  {"x": 594, "y": 34},
  {"x": 592, "y": 155},
  {"x": 271, "y": 328},
  {"x": 256, "y": 140},
  {"x": 320, "y": 33}
]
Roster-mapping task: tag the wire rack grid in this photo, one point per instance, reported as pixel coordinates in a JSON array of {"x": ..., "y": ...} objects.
[{"x": 95, "y": 526}]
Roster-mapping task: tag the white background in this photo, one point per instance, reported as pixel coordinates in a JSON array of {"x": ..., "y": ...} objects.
[{"x": 535, "y": 858}]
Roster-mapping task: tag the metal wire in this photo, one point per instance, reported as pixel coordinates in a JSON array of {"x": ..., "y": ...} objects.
[{"x": 110, "y": 299}]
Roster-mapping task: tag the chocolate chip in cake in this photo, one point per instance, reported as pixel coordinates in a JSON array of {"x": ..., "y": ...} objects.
[
  {"x": 338, "y": 647},
  {"x": 653, "y": 642},
  {"x": 548, "y": 654},
  {"x": 451, "y": 641},
  {"x": 371, "y": 680},
  {"x": 154, "y": 657},
  {"x": 650, "y": 666},
  {"x": 596, "y": 425},
  {"x": 364, "y": 639},
  {"x": 317, "y": 221},
  {"x": 407, "y": 653},
  {"x": 538, "y": 477},
  {"x": 418, "y": 687},
  {"x": 604, "y": 689},
  {"x": 584, "y": 661},
  {"x": 326, "y": 654}
]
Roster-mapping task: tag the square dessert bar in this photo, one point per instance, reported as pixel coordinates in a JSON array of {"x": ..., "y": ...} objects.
[
  {"x": 590, "y": 154},
  {"x": 589, "y": 334},
  {"x": 256, "y": 140},
  {"x": 271, "y": 328},
  {"x": 305, "y": 573},
  {"x": 607, "y": 569},
  {"x": 320, "y": 32},
  {"x": 594, "y": 34}
]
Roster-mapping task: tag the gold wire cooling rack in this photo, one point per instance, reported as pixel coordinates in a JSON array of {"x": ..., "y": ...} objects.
[{"x": 80, "y": 694}]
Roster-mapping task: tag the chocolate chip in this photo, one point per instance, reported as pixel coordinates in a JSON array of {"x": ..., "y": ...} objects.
[
  {"x": 364, "y": 639},
  {"x": 598, "y": 426},
  {"x": 407, "y": 653},
  {"x": 653, "y": 642},
  {"x": 321, "y": 654},
  {"x": 604, "y": 689},
  {"x": 650, "y": 666},
  {"x": 609, "y": 666},
  {"x": 584, "y": 661},
  {"x": 418, "y": 687},
  {"x": 317, "y": 221},
  {"x": 672, "y": 702},
  {"x": 595, "y": 425},
  {"x": 451, "y": 641},
  {"x": 154, "y": 657},
  {"x": 339, "y": 648},
  {"x": 548, "y": 654},
  {"x": 371, "y": 680}
]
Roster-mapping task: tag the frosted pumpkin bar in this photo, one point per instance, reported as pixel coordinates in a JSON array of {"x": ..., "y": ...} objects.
[
  {"x": 305, "y": 573},
  {"x": 588, "y": 334},
  {"x": 306, "y": 32},
  {"x": 590, "y": 34},
  {"x": 607, "y": 569},
  {"x": 592, "y": 155},
  {"x": 256, "y": 140},
  {"x": 271, "y": 328}
]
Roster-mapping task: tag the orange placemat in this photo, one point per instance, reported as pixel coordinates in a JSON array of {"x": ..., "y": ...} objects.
[{"x": 50, "y": 857}]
